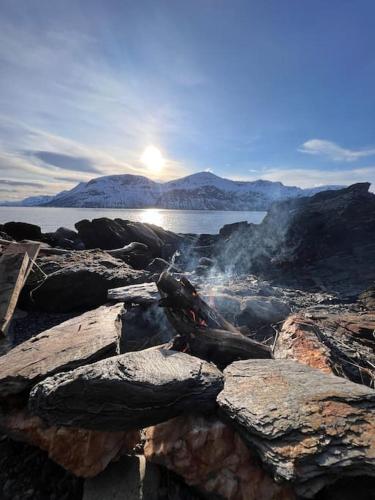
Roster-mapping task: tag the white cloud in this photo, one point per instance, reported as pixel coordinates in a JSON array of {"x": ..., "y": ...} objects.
[
  {"x": 315, "y": 177},
  {"x": 333, "y": 151}
]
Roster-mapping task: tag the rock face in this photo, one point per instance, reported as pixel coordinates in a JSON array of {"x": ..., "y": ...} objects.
[
  {"x": 22, "y": 231},
  {"x": 129, "y": 391},
  {"x": 308, "y": 427},
  {"x": 82, "y": 452},
  {"x": 109, "y": 234},
  {"x": 80, "y": 280},
  {"x": 212, "y": 457},
  {"x": 331, "y": 236},
  {"x": 342, "y": 344},
  {"x": 81, "y": 340}
]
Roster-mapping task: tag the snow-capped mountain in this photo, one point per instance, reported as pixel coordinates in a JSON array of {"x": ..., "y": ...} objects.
[{"x": 201, "y": 191}]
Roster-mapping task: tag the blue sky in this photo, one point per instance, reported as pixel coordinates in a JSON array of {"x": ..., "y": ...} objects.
[{"x": 279, "y": 90}]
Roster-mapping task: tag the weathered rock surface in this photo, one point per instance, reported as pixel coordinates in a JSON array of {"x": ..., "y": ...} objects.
[
  {"x": 329, "y": 237},
  {"x": 132, "y": 390},
  {"x": 108, "y": 234},
  {"x": 143, "y": 293},
  {"x": 343, "y": 344},
  {"x": 84, "y": 453},
  {"x": 78, "y": 341},
  {"x": 308, "y": 427},
  {"x": 211, "y": 456},
  {"x": 80, "y": 280}
]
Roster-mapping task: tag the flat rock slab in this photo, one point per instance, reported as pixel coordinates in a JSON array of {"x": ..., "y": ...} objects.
[
  {"x": 308, "y": 427},
  {"x": 83, "y": 339},
  {"x": 133, "y": 390},
  {"x": 143, "y": 293}
]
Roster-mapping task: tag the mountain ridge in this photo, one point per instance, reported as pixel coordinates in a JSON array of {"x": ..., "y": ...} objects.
[{"x": 201, "y": 191}]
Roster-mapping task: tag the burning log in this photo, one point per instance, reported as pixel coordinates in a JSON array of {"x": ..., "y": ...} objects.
[{"x": 203, "y": 331}]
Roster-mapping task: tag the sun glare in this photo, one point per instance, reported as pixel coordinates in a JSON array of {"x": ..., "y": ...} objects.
[{"x": 152, "y": 159}]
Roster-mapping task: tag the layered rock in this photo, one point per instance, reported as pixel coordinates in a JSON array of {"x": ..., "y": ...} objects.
[
  {"x": 80, "y": 280},
  {"x": 211, "y": 456},
  {"x": 129, "y": 391},
  {"x": 308, "y": 427},
  {"x": 78, "y": 341},
  {"x": 84, "y": 453},
  {"x": 343, "y": 344}
]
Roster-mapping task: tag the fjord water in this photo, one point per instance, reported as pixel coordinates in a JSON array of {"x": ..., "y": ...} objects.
[{"x": 179, "y": 221}]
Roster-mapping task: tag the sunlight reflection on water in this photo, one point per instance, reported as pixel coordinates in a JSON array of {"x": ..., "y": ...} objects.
[{"x": 152, "y": 216}]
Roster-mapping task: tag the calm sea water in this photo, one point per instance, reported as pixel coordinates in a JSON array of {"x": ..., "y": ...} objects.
[{"x": 179, "y": 221}]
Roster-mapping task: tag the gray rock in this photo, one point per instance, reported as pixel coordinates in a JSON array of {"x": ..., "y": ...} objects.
[
  {"x": 308, "y": 427},
  {"x": 260, "y": 311},
  {"x": 133, "y": 390},
  {"x": 142, "y": 293},
  {"x": 81, "y": 280},
  {"x": 78, "y": 341}
]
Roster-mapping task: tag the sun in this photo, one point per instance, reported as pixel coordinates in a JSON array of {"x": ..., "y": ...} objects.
[{"x": 153, "y": 159}]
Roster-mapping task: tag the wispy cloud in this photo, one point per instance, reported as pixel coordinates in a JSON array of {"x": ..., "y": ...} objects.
[
  {"x": 64, "y": 161},
  {"x": 305, "y": 177},
  {"x": 333, "y": 151},
  {"x": 6, "y": 182}
]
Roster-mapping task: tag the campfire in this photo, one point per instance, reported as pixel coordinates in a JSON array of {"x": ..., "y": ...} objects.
[{"x": 201, "y": 330}]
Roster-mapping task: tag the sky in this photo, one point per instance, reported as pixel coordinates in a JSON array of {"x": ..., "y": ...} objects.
[{"x": 265, "y": 89}]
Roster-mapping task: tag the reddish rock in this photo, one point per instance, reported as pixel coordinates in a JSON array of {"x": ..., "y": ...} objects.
[
  {"x": 212, "y": 457},
  {"x": 298, "y": 340},
  {"x": 342, "y": 344},
  {"x": 82, "y": 452}
]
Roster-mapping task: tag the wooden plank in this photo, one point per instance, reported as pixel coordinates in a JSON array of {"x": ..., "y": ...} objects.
[
  {"x": 32, "y": 249},
  {"x": 13, "y": 268}
]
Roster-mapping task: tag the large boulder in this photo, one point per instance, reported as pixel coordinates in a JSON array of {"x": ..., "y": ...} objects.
[
  {"x": 110, "y": 234},
  {"x": 78, "y": 341},
  {"x": 209, "y": 455},
  {"x": 133, "y": 390},
  {"x": 22, "y": 231},
  {"x": 327, "y": 239},
  {"x": 342, "y": 344},
  {"x": 308, "y": 427},
  {"x": 80, "y": 280}
]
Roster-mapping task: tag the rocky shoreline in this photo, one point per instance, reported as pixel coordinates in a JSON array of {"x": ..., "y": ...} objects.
[{"x": 95, "y": 373}]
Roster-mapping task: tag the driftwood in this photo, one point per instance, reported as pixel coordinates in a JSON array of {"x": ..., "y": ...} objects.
[
  {"x": 130, "y": 391},
  {"x": 143, "y": 293},
  {"x": 15, "y": 266},
  {"x": 202, "y": 330}
]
